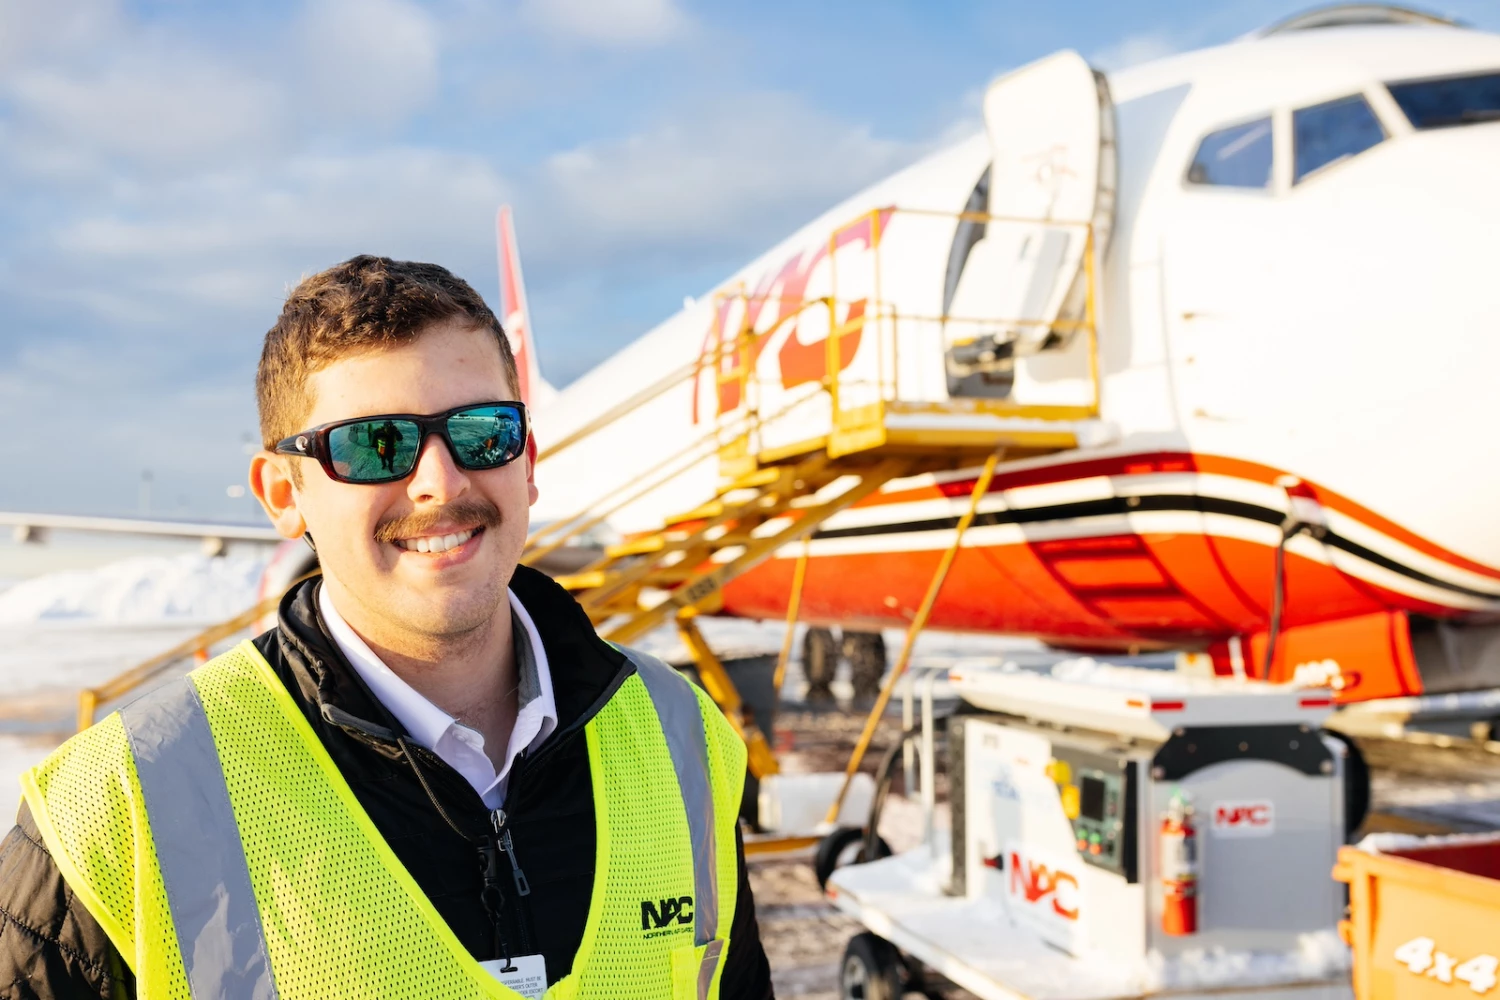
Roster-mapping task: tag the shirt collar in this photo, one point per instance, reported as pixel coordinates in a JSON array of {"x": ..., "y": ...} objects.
[{"x": 424, "y": 721}]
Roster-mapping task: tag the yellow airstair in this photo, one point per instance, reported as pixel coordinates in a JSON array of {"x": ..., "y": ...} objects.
[{"x": 778, "y": 490}]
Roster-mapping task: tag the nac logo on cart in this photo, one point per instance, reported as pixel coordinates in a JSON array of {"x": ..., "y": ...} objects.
[
  {"x": 1042, "y": 886},
  {"x": 1244, "y": 819}
]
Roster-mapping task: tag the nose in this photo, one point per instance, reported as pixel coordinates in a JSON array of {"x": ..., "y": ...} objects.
[{"x": 436, "y": 479}]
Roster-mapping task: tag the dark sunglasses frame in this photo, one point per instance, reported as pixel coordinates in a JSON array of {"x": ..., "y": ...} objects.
[{"x": 313, "y": 442}]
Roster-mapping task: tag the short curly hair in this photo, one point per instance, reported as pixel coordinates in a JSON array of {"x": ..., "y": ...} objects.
[{"x": 366, "y": 303}]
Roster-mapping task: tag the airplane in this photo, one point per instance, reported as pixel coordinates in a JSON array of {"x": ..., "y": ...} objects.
[{"x": 1234, "y": 311}]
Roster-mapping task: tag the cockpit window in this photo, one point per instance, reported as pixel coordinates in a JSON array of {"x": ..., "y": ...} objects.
[
  {"x": 1238, "y": 156},
  {"x": 1453, "y": 100},
  {"x": 1327, "y": 133}
]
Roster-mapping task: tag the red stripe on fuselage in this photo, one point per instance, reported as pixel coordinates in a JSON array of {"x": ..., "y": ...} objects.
[{"x": 1168, "y": 462}]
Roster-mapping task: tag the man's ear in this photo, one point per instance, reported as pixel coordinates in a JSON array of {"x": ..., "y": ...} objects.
[
  {"x": 531, "y": 490},
  {"x": 271, "y": 482}
]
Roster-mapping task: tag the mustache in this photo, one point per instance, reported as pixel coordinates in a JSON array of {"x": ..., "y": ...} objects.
[{"x": 471, "y": 511}]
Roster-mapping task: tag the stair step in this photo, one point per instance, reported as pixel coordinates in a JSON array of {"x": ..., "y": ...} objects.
[
  {"x": 671, "y": 576},
  {"x": 636, "y": 547},
  {"x": 709, "y": 510},
  {"x": 760, "y": 477},
  {"x": 574, "y": 582}
]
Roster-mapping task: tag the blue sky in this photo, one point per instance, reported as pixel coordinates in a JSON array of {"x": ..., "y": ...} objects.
[{"x": 172, "y": 167}]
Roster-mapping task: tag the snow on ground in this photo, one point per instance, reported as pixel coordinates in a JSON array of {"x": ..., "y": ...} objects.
[
  {"x": 49, "y": 656},
  {"x": 143, "y": 590},
  {"x": 18, "y": 754},
  {"x": 63, "y": 631}
]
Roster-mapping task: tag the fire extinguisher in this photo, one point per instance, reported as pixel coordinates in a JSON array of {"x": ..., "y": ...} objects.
[{"x": 1179, "y": 867}]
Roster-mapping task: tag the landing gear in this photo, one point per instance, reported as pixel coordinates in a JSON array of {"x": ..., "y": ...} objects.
[
  {"x": 865, "y": 652},
  {"x": 820, "y": 657},
  {"x": 871, "y": 969},
  {"x": 821, "y": 651}
]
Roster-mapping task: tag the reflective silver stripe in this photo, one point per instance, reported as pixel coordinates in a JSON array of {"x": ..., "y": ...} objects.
[
  {"x": 198, "y": 846},
  {"x": 682, "y": 723},
  {"x": 707, "y": 966}
]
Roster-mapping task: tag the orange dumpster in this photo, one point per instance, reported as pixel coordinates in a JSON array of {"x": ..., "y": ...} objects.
[{"x": 1424, "y": 920}]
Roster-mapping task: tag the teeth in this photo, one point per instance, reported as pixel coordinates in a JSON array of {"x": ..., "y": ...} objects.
[{"x": 436, "y": 543}]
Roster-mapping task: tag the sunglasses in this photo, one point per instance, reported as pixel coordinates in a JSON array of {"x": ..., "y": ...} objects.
[{"x": 384, "y": 449}]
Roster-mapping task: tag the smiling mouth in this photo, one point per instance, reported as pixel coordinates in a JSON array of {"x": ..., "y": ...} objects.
[{"x": 436, "y": 543}]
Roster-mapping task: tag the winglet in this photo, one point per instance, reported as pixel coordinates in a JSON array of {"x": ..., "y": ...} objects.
[{"x": 516, "y": 318}]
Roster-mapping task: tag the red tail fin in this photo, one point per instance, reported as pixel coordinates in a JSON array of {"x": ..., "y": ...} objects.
[{"x": 516, "y": 319}]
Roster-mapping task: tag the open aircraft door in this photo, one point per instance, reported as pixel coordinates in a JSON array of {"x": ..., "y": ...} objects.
[{"x": 1020, "y": 285}]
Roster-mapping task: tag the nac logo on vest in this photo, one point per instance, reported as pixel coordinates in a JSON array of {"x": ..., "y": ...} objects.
[{"x": 666, "y": 916}]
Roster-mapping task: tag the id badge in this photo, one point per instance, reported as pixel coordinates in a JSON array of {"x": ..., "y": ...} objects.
[{"x": 526, "y": 974}]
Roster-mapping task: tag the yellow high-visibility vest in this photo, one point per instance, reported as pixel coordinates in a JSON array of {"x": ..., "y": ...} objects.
[{"x": 211, "y": 835}]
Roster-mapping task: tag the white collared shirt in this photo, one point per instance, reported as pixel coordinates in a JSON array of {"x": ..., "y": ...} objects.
[{"x": 460, "y": 747}]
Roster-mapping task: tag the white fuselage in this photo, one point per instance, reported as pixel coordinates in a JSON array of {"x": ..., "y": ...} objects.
[{"x": 1340, "y": 328}]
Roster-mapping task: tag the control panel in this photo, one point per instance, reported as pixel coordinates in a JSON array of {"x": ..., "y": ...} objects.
[{"x": 1099, "y": 798}]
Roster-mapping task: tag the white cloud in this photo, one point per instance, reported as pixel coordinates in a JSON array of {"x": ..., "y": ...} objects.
[
  {"x": 145, "y": 108},
  {"x": 608, "y": 23},
  {"x": 722, "y": 175},
  {"x": 377, "y": 59},
  {"x": 35, "y": 29},
  {"x": 235, "y": 238},
  {"x": 98, "y": 94}
]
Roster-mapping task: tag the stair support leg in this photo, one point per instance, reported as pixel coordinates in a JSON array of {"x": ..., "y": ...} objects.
[
  {"x": 934, "y": 588},
  {"x": 720, "y": 687},
  {"x": 793, "y": 606}
]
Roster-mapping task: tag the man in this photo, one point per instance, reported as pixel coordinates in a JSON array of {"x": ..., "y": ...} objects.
[
  {"x": 386, "y": 437},
  {"x": 432, "y": 777}
]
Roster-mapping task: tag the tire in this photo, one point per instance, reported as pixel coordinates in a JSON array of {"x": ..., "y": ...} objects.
[
  {"x": 844, "y": 846},
  {"x": 1356, "y": 785},
  {"x": 871, "y": 969},
  {"x": 750, "y": 802},
  {"x": 820, "y": 658},
  {"x": 865, "y": 652}
]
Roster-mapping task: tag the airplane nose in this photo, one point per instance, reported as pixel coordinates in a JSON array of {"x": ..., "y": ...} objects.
[{"x": 1389, "y": 270}]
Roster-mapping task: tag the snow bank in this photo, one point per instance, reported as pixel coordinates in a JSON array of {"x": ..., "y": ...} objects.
[
  {"x": 1386, "y": 843},
  {"x": 141, "y": 590},
  {"x": 1319, "y": 956}
]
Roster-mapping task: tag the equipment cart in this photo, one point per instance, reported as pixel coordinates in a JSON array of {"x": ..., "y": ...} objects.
[{"x": 1116, "y": 832}]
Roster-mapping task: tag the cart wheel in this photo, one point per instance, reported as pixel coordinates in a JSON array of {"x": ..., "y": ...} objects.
[
  {"x": 1356, "y": 784},
  {"x": 844, "y": 846},
  {"x": 871, "y": 969}
]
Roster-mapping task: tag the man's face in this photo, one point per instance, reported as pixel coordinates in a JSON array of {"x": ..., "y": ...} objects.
[{"x": 368, "y": 537}]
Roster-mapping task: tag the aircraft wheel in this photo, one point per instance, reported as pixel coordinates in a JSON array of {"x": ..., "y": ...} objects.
[
  {"x": 871, "y": 969},
  {"x": 844, "y": 846},
  {"x": 820, "y": 657},
  {"x": 865, "y": 652}
]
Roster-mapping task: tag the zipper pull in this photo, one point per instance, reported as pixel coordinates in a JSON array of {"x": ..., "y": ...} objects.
[{"x": 497, "y": 820}]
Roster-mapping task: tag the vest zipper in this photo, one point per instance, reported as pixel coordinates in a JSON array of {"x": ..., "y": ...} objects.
[
  {"x": 497, "y": 820},
  {"x": 506, "y": 846},
  {"x": 492, "y": 896}
]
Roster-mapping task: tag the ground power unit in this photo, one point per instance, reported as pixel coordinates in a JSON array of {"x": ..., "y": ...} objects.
[
  {"x": 1122, "y": 832},
  {"x": 1125, "y": 823}
]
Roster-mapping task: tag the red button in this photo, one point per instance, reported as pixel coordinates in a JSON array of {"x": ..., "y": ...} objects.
[{"x": 1095, "y": 849}]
